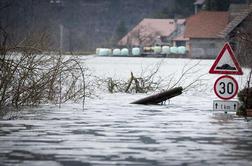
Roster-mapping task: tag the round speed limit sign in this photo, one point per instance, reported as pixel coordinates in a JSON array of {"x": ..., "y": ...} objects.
[{"x": 225, "y": 87}]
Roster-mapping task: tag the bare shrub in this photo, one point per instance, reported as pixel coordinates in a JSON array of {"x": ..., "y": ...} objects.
[
  {"x": 30, "y": 75},
  {"x": 146, "y": 81},
  {"x": 32, "y": 79},
  {"x": 183, "y": 78},
  {"x": 149, "y": 80}
]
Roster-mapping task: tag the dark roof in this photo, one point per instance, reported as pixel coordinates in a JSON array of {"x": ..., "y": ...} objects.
[
  {"x": 206, "y": 24},
  {"x": 235, "y": 22}
]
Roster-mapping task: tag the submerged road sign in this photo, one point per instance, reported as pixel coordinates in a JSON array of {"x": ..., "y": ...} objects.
[
  {"x": 226, "y": 106},
  {"x": 226, "y": 87},
  {"x": 226, "y": 63}
]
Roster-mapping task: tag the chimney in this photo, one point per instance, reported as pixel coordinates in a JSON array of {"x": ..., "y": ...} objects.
[
  {"x": 195, "y": 8},
  {"x": 197, "y": 5}
]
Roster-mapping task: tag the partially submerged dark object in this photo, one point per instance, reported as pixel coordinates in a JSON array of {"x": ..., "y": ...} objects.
[{"x": 160, "y": 97}]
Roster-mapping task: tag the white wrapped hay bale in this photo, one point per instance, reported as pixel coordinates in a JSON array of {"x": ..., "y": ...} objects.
[
  {"x": 147, "y": 49},
  {"x": 157, "y": 49},
  {"x": 116, "y": 52},
  {"x": 174, "y": 50},
  {"x": 181, "y": 50},
  {"x": 97, "y": 51},
  {"x": 165, "y": 50},
  {"x": 136, "y": 51},
  {"x": 125, "y": 52},
  {"x": 109, "y": 51},
  {"x": 104, "y": 52}
]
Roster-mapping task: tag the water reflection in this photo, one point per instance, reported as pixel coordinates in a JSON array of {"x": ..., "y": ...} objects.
[{"x": 121, "y": 135}]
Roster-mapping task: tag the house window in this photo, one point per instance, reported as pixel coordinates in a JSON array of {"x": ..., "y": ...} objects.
[
  {"x": 180, "y": 43},
  {"x": 212, "y": 45}
]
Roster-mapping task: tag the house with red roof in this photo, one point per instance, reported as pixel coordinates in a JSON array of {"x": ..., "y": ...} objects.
[
  {"x": 203, "y": 31},
  {"x": 151, "y": 32},
  {"x": 203, "y": 34},
  {"x": 209, "y": 30}
]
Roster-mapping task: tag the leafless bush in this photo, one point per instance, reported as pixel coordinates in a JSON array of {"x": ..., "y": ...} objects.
[
  {"x": 149, "y": 80},
  {"x": 30, "y": 76},
  {"x": 145, "y": 82},
  {"x": 183, "y": 78},
  {"x": 32, "y": 79}
]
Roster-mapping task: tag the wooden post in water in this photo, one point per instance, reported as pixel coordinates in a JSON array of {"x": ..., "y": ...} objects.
[{"x": 160, "y": 97}]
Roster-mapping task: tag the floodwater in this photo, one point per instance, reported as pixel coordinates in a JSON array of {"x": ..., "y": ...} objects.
[{"x": 110, "y": 131}]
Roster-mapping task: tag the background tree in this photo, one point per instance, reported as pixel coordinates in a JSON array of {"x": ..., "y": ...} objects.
[
  {"x": 29, "y": 75},
  {"x": 217, "y": 5},
  {"x": 181, "y": 9},
  {"x": 143, "y": 36},
  {"x": 87, "y": 23},
  {"x": 121, "y": 30}
]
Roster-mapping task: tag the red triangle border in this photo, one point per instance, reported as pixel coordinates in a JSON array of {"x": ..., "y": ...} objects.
[{"x": 231, "y": 53}]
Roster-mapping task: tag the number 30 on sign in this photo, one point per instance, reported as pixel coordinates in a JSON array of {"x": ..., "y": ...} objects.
[{"x": 226, "y": 87}]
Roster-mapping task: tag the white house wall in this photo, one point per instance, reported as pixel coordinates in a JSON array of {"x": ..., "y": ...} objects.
[{"x": 205, "y": 48}]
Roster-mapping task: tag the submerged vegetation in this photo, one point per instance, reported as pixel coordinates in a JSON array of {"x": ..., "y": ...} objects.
[
  {"x": 150, "y": 80},
  {"x": 30, "y": 79}
]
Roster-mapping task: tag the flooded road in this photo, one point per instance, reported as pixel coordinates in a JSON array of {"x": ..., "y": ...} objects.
[
  {"x": 112, "y": 132},
  {"x": 123, "y": 134}
]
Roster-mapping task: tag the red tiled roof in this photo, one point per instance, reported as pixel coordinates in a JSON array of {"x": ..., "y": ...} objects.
[
  {"x": 206, "y": 24},
  {"x": 150, "y": 29},
  {"x": 180, "y": 37}
]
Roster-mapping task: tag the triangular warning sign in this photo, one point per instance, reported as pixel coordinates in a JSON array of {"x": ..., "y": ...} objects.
[{"x": 226, "y": 63}]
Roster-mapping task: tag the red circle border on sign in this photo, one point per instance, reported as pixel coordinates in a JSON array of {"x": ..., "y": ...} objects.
[{"x": 215, "y": 88}]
